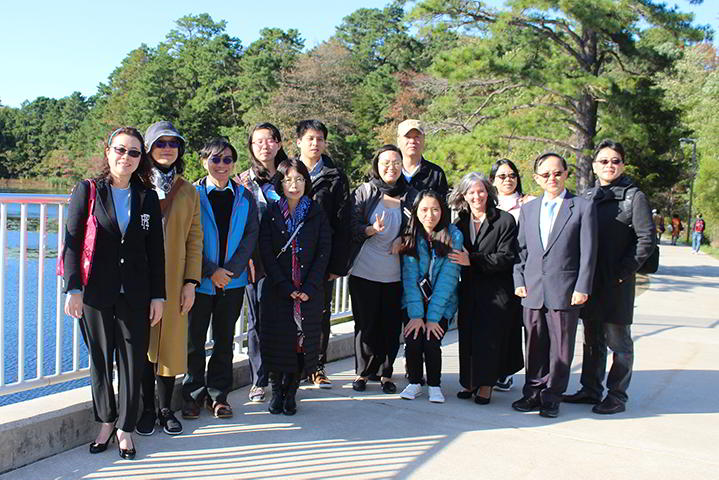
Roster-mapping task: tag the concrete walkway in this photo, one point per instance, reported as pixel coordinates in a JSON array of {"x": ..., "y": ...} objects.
[{"x": 670, "y": 429}]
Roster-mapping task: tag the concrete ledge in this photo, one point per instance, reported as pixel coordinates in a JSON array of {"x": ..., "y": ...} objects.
[{"x": 45, "y": 426}]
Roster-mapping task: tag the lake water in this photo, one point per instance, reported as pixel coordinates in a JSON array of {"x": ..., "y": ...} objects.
[{"x": 10, "y": 297}]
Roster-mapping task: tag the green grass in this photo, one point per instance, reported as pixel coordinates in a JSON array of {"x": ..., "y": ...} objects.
[{"x": 709, "y": 250}]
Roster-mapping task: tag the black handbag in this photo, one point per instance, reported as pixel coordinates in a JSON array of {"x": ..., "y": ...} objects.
[{"x": 651, "y": 265}]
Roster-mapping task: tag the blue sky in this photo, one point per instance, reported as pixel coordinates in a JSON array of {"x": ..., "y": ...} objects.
[{"x": 52, "y": 48}]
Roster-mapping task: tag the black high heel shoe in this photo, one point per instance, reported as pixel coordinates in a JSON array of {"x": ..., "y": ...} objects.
[
  {"x": 127, "y": 453},
  {"x": 101, "y": 447},
  {"x": 480, "y": 400}
]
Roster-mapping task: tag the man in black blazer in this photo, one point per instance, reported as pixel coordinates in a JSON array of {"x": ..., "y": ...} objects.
[{"x": 553, "y": 275}]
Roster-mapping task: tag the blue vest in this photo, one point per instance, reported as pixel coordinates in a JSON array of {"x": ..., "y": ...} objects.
[{"x": 211, "y": 244}]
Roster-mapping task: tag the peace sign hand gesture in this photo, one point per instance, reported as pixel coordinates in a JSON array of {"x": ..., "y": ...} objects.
[{"x": 378, "y": 224}]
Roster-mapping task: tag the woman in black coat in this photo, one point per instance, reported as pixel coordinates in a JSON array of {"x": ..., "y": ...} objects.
[
  {"x": 125, "y": 290},
  {"x": 486, "y": 288},
  {"x": 295, "y": 243}
]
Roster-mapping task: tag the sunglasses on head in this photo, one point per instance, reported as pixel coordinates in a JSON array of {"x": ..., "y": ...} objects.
[
  {"x": 503, "y": 176},
  {"x": 613, "y": 161},
  {"x": 131, "y": 153},
  {"x": 226, "y": 160},
  {"x": 167, "y": 144}
]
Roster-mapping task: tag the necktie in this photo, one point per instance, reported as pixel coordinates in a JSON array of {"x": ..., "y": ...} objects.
[{"x": 547, "y": 227}]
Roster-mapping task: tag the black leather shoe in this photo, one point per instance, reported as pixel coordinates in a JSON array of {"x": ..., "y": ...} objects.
[
  {"x": 389, "y": 387},
  {"x": 581, "y": 397},
  {"x": 526, "y": 404},
  {"x": 359, "y": 385},
  {"x": 549, "y": 410},
  {"x": 127, "y": 453},
  {"x": 190, "y": 409},
  {"x": 609, "y": 406}
]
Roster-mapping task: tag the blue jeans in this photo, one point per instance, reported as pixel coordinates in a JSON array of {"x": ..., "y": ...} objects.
[{"x": 696, "y": 240}]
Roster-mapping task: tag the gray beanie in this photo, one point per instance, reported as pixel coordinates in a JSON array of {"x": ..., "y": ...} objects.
[{"x": 162, "y": 129}]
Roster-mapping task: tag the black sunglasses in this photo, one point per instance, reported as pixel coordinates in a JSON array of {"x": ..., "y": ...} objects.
[
  {"x": 131, "y": 153},
  {"x": 165, "y": 144},
  {"x": 226, "y": 160},
  {"x": 503, "y": 176},
  {"x": 613, "y": 161}
]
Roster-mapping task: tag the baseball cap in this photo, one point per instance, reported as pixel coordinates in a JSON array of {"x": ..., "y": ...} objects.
[{"x": 409, "y": 124}]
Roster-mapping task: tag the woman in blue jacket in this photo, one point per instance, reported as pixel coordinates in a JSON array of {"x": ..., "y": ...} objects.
[{"x": 429, "y": 282}]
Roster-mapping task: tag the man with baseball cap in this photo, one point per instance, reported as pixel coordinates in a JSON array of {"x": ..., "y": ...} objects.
[{"x": 420, "y": 173}]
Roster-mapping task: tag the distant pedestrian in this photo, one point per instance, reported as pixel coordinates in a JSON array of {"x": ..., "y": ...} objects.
[
  {"x": 658, "y": 219},
  {"x": 697, "y": 233},
  {"x": 677, "y": 228}
]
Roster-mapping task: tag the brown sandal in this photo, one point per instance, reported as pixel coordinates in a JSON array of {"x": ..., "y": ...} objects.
[{"x": 219, "y": 410}]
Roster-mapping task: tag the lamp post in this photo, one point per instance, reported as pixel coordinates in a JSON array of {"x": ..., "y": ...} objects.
[{"x": 693, "y": 141}]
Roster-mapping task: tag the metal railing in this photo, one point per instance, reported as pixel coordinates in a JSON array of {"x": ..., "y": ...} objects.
[{"x": 29, "y": 226}]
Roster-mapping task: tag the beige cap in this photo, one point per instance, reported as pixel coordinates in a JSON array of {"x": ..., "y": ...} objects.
[{"x": 409, "y": 124}]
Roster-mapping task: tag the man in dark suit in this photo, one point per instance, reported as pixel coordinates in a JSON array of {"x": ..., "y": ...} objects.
[{"x": 553, "y": 275}]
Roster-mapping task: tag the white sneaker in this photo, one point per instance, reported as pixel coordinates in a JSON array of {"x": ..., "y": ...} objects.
[
  {"x": 435, "y": 395},
  {"x": 411, "y": 391}
]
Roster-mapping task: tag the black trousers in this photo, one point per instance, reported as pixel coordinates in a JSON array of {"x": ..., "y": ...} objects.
[
  {"x": 419, "y": 352},
  {"x": 598, "y": 335},
  {"x": 253, "y": 294},
  {"x": 550, "y": 349},
  {"x": 325, "y": 332},
  {"x": 222, "y": 310},
  {"x": 377, "y": 312},
  {"x": 165, "y": 388},
  {"x": 123, "y": 333}
]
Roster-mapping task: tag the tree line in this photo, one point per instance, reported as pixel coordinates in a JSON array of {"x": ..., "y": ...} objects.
[{"x": 489, "y": 83}]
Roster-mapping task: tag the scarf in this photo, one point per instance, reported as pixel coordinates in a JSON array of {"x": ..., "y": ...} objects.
[
  {"x": 292, "y": 222},
  {"x": 397, "y": 190},
  {"x": 162, "y": 180}
]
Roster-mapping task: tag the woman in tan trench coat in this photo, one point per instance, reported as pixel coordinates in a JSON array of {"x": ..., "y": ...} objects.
[{"x": 180, "y": 204}]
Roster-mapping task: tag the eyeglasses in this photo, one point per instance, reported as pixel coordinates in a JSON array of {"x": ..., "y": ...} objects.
[
  {"x": 613, "y": 161},
  {"x": 265, "y": 141},
  {"x": 294, "y": 180},
  {"x": 546, "y": 176},
  {"x": 131, "y": 153},
  {"x": 389, "y": 164},
  {"x": 504, "y": 176},
  {"x": 166, "y": 144},
  {"x": 226, "y": 160}
]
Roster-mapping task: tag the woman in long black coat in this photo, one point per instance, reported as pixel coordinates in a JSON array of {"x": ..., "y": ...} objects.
[
  {"x": 292, "y": 294},
  {"x": 486, "y": 289}
]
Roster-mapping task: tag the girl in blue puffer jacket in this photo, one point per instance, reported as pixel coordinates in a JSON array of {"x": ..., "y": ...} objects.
[{"x": 429, "y": 282}]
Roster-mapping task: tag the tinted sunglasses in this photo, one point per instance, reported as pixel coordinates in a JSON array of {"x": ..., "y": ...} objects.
[
  {"x": 166, "y": 144},
  {"x": 226, "y": 160},
  {"x": 130, "y": 153},
  {"x": 553, "y": 174},
  {"x": 613, "y": 161},
  {"x": 504, "y": 176}
]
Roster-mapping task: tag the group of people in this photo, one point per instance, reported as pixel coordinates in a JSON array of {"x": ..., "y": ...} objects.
[{"x": 171, "y": 258}]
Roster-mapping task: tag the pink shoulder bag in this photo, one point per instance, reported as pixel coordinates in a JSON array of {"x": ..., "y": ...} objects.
[{"x": 88, "y": 244}]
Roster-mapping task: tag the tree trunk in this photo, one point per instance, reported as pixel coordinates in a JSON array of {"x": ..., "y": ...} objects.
[{"x": 587, "y": 118}]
